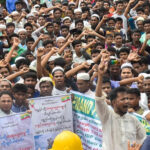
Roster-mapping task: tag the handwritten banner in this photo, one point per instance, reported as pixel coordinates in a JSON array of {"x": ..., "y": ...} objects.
[
  {"x": 50, "y": 116},
  {"x": 144, "y": 122},
  {"x": 16, "y": 132},
  {"x": 86, "y": 122}
]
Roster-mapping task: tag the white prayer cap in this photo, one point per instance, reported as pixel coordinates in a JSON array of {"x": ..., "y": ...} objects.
[
  {"x": 95, "y": 15},
  {"x": 33, "y": 65},
  {"x": 77, "y": 10},
  {"x": 33, "y": 11},
  {"x": 72, "y": 3},
  {"x": 30, "y": 15},
  {"x": 13, "y": 65},
  {"x": 43, "y": 79},
  {"x": 113, "y": 57},
  {"x": 22, "y": 30},
  {"x": 140, "y": 19},
  {"x": 2, "y": 26},
  {"x": 15, "y": 13},
  {"x": 143, "y": 74},
  {"x": 126, "y": 65},
  {"x": 58, "y": 68},
  {"x": 19, "y": 58},
  {"x": 6, "y": 81},
  {"x": 65, "y": 18},
  {"x": 60, "y": 37},
  {"x": 52, "y": 58},
  {"x": 36, "y": 6},
  {"x": 83, "y": 76}
]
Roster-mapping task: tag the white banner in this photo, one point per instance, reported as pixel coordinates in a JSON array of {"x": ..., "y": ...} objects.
[
  {"x": 86, "y": 122},
  {"x": 50, "y": 116},
  {"x": 16, "y": 132}
]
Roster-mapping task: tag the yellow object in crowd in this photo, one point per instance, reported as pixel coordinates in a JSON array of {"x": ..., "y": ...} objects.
[{"x": 67, "y": 140}]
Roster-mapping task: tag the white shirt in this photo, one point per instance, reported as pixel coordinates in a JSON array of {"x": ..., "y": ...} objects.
[
  {"x": 77, "y": 59},
  {"x": 89, "y": 93},
  {"x": 143, "y": 101},
  {"x": 2, "y": 113},
  {"x": 59, "y": 92},
  {"x": 118, "y": 130}
]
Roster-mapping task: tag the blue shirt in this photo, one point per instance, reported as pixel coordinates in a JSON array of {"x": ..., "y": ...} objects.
[
  {"x": 10, "y": 5},
  {"x": 18, "y": 109}
]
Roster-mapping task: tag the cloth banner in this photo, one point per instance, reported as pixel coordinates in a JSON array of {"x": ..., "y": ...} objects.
[
  {"x": 144, "y": 122},
  {"x": 50, "y": 116},
  {"x": 86, "y": 122},
  {"x": 16, "y": 132}
]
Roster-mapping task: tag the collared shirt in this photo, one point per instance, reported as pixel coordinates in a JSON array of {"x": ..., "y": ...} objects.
[
  {"x": 118, "y": 130},
  {"x": 2, "y": 113}
]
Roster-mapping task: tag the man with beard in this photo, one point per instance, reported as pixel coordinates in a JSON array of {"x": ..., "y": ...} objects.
[{"x": 118, "y": 126}]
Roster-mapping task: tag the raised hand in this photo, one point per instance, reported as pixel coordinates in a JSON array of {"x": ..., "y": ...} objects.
[
  {"x": 86, "y": 65},
  {"x": 16, "y": 42},
  {"x": 133, "y": 57},
  {"x": 140, "y": 79},
  {"x": 40, "y": 52},
  {"x": 3, "y": 63},
  {"x": 24, "y": 70}
]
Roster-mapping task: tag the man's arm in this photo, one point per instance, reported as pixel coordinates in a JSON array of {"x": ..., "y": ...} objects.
[{"x": 101, "y": 105}]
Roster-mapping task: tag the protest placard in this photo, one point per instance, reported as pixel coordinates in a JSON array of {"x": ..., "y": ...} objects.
[
  {"x": 50, "y": 116},
  {"x": 16, "y": 132},
  {"x": 86, "y": 122}
]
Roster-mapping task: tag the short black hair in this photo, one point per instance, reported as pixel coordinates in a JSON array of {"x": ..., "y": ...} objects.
[
  {"x": 13, "y": 35},
  {"x": 19, "y": 87},
  {"x": 95, "y": 51},
  {"x": 75, "y": 42},
  {"x": 144, "y": 60},
  {"x": 113, "y": 94},
  {"x": 28, "y": 24},
  {"x": 79, "y": 20},
  {"x": 147, "y": 21},
  {"x": 106, "y": 80},
  {"x": 124, "y": 49},
  {"x": 109, "y": 35},
  {"x": 10, "y": 24},
  {"x": 47, "y": 42},
  {"x": 135, "y": 31},
  {"x": 6, "y": 93},
  {"x": 60, "y": 62},
  {"x": 133, "y": 91},
  {"x": 111, "y": 49},
  {"x": 22, "y": 62},
  {"x": 55, "y": 9},
  {"x": 117, "y": 34},
  {"x": 30, "y": 39},
  {"x": 30, "y": 75},
  {"x": 119, "y": 2},
  {"x": 64, "y": 27},
  {"x": 140, "y": 9},
  {"x": 119, "y": 19}
]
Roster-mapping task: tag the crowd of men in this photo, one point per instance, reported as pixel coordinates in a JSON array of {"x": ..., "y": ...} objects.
[{"x": 100, "y": 48}]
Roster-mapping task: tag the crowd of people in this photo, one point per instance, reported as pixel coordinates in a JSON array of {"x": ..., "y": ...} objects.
[{"x": 100, "y": 48}]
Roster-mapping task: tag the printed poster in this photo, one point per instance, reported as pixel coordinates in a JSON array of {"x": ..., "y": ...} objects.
[
  {"x": 16, "y": 132},
  {"x": 50, "y": 116}
]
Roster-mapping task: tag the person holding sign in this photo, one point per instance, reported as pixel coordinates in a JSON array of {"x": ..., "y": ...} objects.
[
  {"x": 118, "y": 126},
  {"x": 6, "y": 101}
]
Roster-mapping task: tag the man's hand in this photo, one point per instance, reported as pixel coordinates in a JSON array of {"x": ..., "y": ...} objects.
[
  {"x": 24, "y": 70},
  {"x": 3, "y": 63},
  {"x": 103, "y": 66},
  {"x": 16, "y": 42},
  {"x": 40, "y": 52},
  {"x": 134, "y": 146},
  {"x": 86, "y": 65},
  {"x": 42, "y": 36},
  {"x": 54, "y": 50},
  {"x": 133, "y": 57},
  {"x": 140, "y": 79},
  {"x": 70, "y": 40}
]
